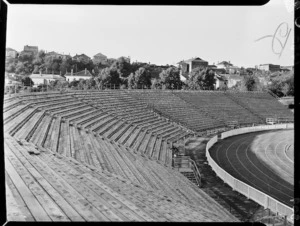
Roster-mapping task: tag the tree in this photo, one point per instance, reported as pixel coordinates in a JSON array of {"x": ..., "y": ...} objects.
[
  {"x": 109, "y": 77},
  {"x": 131, "y": 81},
  {"x": 27, "y": 81},
  {"x": 122, "y": 66},
  {"x": 142, "y": 78},
  {"x": 170, "y": 78},
  {"x": 155, "y": 83},
  {"x": 201, "y": 78}
]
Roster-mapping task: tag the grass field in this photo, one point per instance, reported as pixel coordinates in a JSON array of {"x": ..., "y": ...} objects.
[{"x": 264, "y": 160}]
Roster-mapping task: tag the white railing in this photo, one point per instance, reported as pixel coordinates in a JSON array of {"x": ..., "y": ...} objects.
[{"x": 243, "y": 188}]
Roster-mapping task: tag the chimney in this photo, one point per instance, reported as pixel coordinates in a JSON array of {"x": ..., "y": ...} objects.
[
  {"x": 71, "y": 71},
  {"x": 85, "y": 71}
]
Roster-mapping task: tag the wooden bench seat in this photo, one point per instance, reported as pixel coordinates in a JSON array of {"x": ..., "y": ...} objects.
[
  {"x": 29, "y": 126},
  {"x": 118, "y": 127}
]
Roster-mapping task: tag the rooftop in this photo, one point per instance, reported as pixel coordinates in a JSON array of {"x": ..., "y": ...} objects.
[{"x": 80, "y": 73}]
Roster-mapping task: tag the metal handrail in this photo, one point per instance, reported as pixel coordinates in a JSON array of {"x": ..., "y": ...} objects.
[{"x": 196, "y": 172}]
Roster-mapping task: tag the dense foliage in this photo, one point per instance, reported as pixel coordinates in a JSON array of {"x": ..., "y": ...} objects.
[{"x": 121, "y": 73}]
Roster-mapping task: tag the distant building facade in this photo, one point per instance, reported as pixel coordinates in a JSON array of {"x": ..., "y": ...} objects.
[
  {"x": 221, "y": 81},
  {"x": 54, "y": 55},
  {"x": 224, "y": 64},
  {"x": 186, "y": 66},
  {"x": 269, "y": 67},
  {"x": 33, "y": 49},
  {"x": 81, "y": 58},
  {"x": 11, "y": 53},
  {"x": 29, "y": 51},
  {"x": 40, "y": 78},
  {"x": 233, "y": 80},
  {"x": 100, "y": 58},
  {"x": 84, "y": 74}
]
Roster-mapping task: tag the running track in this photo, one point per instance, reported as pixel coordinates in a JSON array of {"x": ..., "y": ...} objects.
[{"x": 239, "y": 157}]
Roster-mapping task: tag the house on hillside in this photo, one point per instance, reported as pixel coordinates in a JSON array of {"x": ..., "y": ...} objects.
[
  {"x": 81, "y": 58},
  {"x": 211, "y": 66},
  {"x": 186, "y": 66},
  {"x": 286, "y": 68},
  {"x": 11, "y": 82},
  {"x": 29, "y": 51},
  {"x": 11, "y": 53},
  {"x": 45, "y": 79},
  {"x": 84, "y": 74},
  {"x": 54, "y": 54},
  {"x": 224, "y": 64},
  {"x": 233, "y": 70},
  {"x": 100, "y": 58},
  {"x": 33, "y": 49},
  {"x": 221, "y": 81},
  {"x": 269, "y": 67},
  {"x": 233, "y": 79}
]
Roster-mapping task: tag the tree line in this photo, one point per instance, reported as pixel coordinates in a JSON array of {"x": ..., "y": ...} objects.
[{"x": 121, "y": 73}]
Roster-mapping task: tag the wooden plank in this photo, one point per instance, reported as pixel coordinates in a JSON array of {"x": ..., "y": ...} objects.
[
  {"x": 111, "y": 158},
  {"x": 93, "y": 121},
  {"x": 58, "y": 198},
  {"x": 123, "y": 139},
  {"x": 43, "y": 131},
  {"x": 133, "y": 137},
  {"x": 121, "y": 162},
  {"x": 49, "y": 134},
  {"x": 13, "y": 212},
  {"x": 144, "y": 145},
  {"x": 28, "y": 126},
  {"x": 72, "y": 177},
  {"x": 109, "y": 127},
  {"x": 55, "y": 135},
  {"x": 156, "y": 149},
  {"x": 75, "y": 199},
  {"x": 111, "y": 194},
  {"x": 34, "y": 206},
  {"x": 61, "y": 140},
  {"x": 81, "y": 153},
  {"x": 21, "y": 204},
  {"x": 163, "y": 150},
  {"x": 52, "y": 209},
  {"x": 150, "y": 146},
  {"x": 131, "y": 164},
  {"x": 12, "y": 124},
  {"x": 121, "y": 132},
  {"x": 85, "y": 149},
  {"x": 138, "y": 140},
  {"x": 90, "y": 145}
]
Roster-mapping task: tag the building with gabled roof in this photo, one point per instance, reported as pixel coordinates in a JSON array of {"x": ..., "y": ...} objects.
[
  {"x": 11, "y": 53},
  {"x": 81, "y": 58},
  {"x": 100, "y": 58},
  {"x": 269, "y": 67},
  {"x": 84, "y": 74},
  {"x": 45, "y": 79},
  {"x": 224, "y": 64},
  {"x": 186, "y": 66}
]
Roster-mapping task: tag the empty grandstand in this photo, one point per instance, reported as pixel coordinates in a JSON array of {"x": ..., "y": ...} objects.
[{"x": 107, "y": 155}]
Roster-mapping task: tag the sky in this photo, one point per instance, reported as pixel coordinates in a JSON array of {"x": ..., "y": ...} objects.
[{"x": 158, "y": 34}]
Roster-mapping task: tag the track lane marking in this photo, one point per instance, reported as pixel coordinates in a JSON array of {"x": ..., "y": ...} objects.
[{"x": 249, "y": 182}]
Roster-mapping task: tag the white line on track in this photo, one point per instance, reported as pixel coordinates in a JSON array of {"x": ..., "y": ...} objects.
[
  {"x": 247, "y": 149},
  {"x": 285, "y": 150},
  {"x": 280, "y": 159},
  {"x": 287, "y": 173},
  {"x": 242, "y": 176}
]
